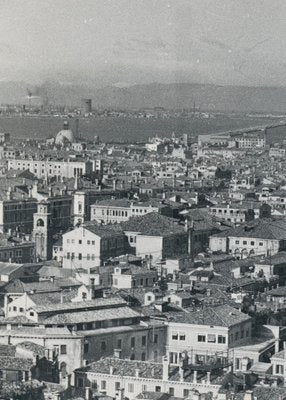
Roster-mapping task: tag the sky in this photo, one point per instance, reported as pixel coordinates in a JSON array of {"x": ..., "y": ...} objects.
[{"x": 126, "y": 42}]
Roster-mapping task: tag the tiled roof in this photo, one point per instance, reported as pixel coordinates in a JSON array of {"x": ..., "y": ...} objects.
[
  {"x": 49, "y": 270},
  {"x": 7, "y": 350},
  {"x": 16, "y": 364},
  {"x": 268, "y": 228},
  {"x": 53, "y": 297},
  {"x": 145, "y": 369},
  {"x": 265, "y": 393},
  {"x": 153, "y": 224},
  {"x": 91, "y": 316},
  {"x": 222, "y": 315},
  {"x": 125, "y": 367},
  {"x": 113, "y": 203},
  {"x": 82, "y": 305},
  {"x": 35, "y": 349},
  {"x": 17, "y": 286},
  {"x": 104, "y": 230}
]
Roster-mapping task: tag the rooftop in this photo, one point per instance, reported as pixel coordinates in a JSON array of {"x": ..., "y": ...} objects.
[
  {"x": 90, "y": 316},
  {"x": 103, "y": 230},
  {"x": 221, "y": 315},
  {"x": 268, "y": 228},
  {"x": 153, "y": 224},
  {"x": 100, "y": 303}
]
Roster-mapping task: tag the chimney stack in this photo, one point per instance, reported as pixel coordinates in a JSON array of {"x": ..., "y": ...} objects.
[
  {"x": 165, "y": 362},
  {"x": 248, "y": 395},
  {"x": 9, "y": 193},
  {"x": 87, "y": 393}
]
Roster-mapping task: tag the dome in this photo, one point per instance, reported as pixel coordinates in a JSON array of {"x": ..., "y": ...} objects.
[{"x": 65, "y": 135}]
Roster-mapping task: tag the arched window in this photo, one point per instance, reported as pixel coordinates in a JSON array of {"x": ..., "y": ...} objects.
[
  {"x": 63, "y": 369},
  {"x": 40, "y": 222}
]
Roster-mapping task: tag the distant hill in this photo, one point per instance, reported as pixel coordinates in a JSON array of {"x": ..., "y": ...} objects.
[{"x": 174, "y": 95}]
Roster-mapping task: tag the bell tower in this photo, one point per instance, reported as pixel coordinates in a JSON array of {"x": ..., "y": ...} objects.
[{"x": 42, "y": 231}]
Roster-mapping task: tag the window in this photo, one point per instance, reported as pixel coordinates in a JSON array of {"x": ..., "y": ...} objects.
[
  {"x": 143, "y": 340},
  {"x": 21, "y": 309},
  {"x": 103, "y": 385},
  {"x": 31, "y": 313},
  {"x": 132, "y": 357},
  {"x": 221, "y": 339},
  {"x": 103, "y": 346},
  {"x": 182, "y": 336},
  {"x": 93, "y": 242},
  {"x": 88, "y": 242},
  {"x": 144, "y": 388},
  {"x": 143, "y": 357},
  {"x": 260, "y": 243},
  {"x": 201, "y": 338},
  {"x": 156, "y": 338},
  {"x": 186, "y": 393},
  {"x": 130, "y": 387},
  {"x": 174, "y": 336},
  {"x": 80, "y": 242},
  {"x": 63, "y": 349},
  {"x": 79, "y": 256},
  {"x": 237, "y": 242},
  {"x": 252, "y": 243},
  {"x": 157, "y": 388},
  {"x": 85, "y": 348},
  {"x": 14, "y": 308},
  {"x": 119, "y": 343},
  {"x": 211, "y": 338},
  {"x": 80, "y": 382},
  {"x": 132, "y": 342},
  {"x": 171, "y": 391},
  {"x": 117, "y": 385},
  {"x": 68, "y": 256},
  {"x": 244, "y": 242},
  {"x": 236, "y": 335}
]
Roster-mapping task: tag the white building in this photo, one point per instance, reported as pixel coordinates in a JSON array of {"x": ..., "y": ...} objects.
[
  {"x": 89, "y": 245},
  {"x": 53, "y": 168}
]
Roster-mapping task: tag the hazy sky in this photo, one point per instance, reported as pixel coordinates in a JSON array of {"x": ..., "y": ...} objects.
[{"x": 136, "y": 41}]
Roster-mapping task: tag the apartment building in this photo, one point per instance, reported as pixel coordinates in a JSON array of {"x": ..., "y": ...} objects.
[
  {"x": 131, "y": 276},
  {"x": 120, "y": 210},
  {"x": 111, "y": 377},
  {"x": 156, "y": 236},
  {"x": 88, "y": 245},
  {"x": 262, "y": 237},
  {"x": 53, "y": 168},
  {"x": 16, "y": 211},
  {"x": 235, "y": 212},
  {"x": 249, "y": 140},
  {"x": 205, "y": 333}
]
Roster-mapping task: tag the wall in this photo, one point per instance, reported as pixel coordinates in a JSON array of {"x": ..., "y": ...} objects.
[{"x": 152, "y": 349}]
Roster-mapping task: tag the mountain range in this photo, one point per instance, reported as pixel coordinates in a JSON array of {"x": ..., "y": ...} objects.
[{"x": 170, "y": 96}]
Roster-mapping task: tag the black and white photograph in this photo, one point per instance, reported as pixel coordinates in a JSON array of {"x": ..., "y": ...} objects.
[{"x": 142, "y": 200}]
